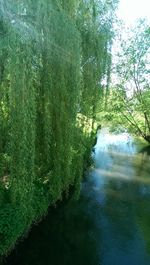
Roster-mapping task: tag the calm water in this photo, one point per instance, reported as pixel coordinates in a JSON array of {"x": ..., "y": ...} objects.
[{"x": 109, "y": 225}]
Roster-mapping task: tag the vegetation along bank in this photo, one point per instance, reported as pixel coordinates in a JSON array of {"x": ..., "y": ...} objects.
[{"x": 54, "y": 55}]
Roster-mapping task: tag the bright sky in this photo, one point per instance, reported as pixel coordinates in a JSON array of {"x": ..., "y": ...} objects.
[{"x": 130, "y": 10}]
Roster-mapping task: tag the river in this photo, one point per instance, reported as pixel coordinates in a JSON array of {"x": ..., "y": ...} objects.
[{"x": 109, "y": 225}]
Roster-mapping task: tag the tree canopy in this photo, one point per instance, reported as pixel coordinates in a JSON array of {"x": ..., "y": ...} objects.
[{"x": 129, "y": 94}]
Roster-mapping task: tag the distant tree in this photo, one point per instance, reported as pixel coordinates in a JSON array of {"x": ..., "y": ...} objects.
[{"x": 132, "y": 93}]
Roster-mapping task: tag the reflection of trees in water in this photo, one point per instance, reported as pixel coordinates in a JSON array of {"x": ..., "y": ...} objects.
[
  {"x": 120, "y": 211},
  {"x": 127, "y": 206},
  {"x": 143, "y": 220},
  {"x": 68, "y": 235},
  {"x": 141, "y": 163},
  {"x": 127, "y": 194},
  {"x": 143, "y": 204},
  {"x": 127, "y": 212},
  {"x": 146, "y": 150}
]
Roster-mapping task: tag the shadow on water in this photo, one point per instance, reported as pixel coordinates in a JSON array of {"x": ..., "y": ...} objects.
[
  {"x": 66, "y": 236},
  {"x": 109, "y": 225}
]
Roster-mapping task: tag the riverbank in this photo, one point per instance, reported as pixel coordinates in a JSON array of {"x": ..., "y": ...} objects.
[
  {"x": 109, "y": 224},
  {"x": 17, "y": 219}
]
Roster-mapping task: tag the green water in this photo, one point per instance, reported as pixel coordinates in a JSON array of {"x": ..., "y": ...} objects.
[{"x": 109, "y": 225}]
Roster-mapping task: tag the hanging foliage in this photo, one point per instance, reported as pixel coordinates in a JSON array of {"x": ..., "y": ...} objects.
[{"x": 53, "y": 57}]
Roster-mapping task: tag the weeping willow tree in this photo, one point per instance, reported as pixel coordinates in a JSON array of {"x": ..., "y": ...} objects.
[
  {"x": 53, "y": 57},
  {"x": 95, "y": 24}
]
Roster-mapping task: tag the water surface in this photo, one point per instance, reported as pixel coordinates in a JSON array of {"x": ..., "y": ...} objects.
[{"x": 109, "y": 225}]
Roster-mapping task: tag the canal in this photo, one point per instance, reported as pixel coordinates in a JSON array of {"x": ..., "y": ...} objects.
[{"x": 110, "y": 224}]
